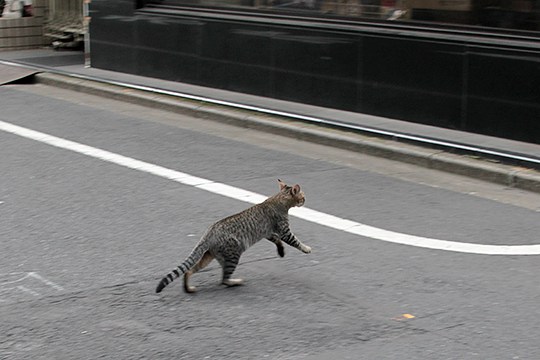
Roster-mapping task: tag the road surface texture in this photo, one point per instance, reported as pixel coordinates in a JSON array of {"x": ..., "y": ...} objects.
[{"x": 84, "y": 243}]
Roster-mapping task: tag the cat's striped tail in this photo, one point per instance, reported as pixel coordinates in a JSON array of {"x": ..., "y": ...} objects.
[{"x": 191, "y": 260}]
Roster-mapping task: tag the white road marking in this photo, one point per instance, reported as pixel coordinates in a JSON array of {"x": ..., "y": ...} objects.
[
  {"x": 30, "y": 275},
  {"x": 45, "y": 281},
  {"x": 14, "y": 281},
  {"x": 28, "y": 291},
  {"x": 310, "y": 215},
  {"x": 12, "y": 286}
]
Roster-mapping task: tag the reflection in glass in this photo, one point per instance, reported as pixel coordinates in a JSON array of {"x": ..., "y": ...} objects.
[{"x": 503, "y": 14}]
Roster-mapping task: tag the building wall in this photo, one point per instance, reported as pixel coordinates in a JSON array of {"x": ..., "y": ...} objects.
[
  {"x": 24, "y": 33},
  {"x": 470, "y": 82}
]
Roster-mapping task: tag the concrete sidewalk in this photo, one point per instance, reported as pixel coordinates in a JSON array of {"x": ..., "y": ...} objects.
[{"x": 373, "y": 135}]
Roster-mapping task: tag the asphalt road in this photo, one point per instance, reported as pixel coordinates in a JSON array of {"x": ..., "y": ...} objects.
[{"x": 84, "y": 242}]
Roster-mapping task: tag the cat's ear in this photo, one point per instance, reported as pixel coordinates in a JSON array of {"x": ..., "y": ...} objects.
[
  {"x": 295, "y": 189},
  {"x": 282, "y": 185}
]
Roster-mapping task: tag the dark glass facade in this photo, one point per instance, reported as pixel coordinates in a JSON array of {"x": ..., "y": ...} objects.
[
  {"x": 521, "y": 15},
  {"x": 472, "y": 78}
]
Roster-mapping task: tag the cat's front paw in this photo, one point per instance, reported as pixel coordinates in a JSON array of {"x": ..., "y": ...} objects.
[{"x": 305, "y": 249}]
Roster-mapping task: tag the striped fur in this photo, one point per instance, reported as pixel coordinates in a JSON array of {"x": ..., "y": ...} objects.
[
  {"x": 228, "y": 238},
  {"x": 196, "y": 255}
]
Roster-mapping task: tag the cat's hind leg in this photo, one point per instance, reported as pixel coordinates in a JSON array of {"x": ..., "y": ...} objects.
[
  {"x": 229, "y": 263},
  {"x": 205, "y": 260}
]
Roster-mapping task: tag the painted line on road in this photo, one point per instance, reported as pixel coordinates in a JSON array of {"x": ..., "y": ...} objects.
[
  {"x": 45, "y": 281},
  {"x": 11, "y": 288},
  {"x": 307, "y": 214},
  {"x": 28, "y": 291}
]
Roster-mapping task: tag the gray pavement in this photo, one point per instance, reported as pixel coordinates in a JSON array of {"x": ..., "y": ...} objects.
[
  {"x": 84, "y": 243},
  {"x": 509, "y": 174}
]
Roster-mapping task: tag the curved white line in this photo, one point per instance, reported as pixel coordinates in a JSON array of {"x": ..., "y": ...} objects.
[
  {"x": 310, "y": 215},
  {"x": 405, "y": 239}
]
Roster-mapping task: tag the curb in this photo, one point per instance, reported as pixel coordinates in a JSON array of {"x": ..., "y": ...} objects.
[{"x": 495, "y": 172}]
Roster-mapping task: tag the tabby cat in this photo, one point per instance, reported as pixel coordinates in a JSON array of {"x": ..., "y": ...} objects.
[{"x": 228, "y": 238}]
